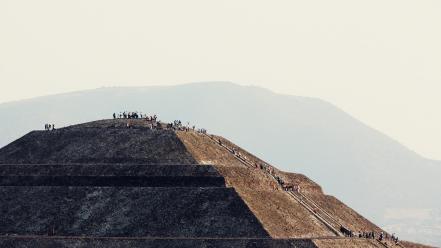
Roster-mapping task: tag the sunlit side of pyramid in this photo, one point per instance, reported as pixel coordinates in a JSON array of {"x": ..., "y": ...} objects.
[{"x": 102, "y": 184}]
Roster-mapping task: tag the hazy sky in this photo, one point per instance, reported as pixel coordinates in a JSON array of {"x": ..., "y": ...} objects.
[{"x": 379, "y": 60}]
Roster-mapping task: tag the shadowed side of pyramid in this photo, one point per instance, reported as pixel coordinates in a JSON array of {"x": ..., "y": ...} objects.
[
  {"x": 97, "y": 145},
  {"x": 126, "y": 212},
  {"x": 112, "y": 186},
  {"x": 142, "y": 243}
]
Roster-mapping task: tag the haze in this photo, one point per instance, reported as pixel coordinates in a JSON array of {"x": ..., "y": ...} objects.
[{"x": 378, "y": 60}]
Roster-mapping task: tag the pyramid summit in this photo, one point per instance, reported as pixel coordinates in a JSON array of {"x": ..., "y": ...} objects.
[{"x": 125, "y": 183}]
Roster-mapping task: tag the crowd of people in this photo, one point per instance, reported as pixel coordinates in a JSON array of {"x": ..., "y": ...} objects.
[
  {"x": 369, "y": 235},
  {"x": 384, "y": 236},
  {"x": 178, "y": 126},
  {"x": 49, "y": 127},
  {"x": 133, "y": 115},
  {"x": 152, "y": 122}
]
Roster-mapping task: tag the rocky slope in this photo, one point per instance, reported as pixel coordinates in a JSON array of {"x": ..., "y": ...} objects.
[{"x": 101, "y": 182}]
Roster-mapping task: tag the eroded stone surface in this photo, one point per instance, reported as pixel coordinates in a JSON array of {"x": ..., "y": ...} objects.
[
  {"x": 131, "y": 212},
  {"x": 97, "y": 145}
]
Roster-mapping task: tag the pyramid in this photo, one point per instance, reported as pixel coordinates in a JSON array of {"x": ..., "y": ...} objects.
[{"x": 101, "y": 184}]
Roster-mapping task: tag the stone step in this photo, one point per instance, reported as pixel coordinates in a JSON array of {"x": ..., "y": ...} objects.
[
  {"x": 178, "y": 170},
  {"x": 112, "y": 181},
  {"x": 116, "y": 175}
]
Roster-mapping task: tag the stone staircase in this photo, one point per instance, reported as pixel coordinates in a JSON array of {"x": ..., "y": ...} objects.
[{"x": 315, "y": 209}]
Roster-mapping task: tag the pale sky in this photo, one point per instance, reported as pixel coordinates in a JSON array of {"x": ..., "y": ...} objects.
[{"x": 379, "y": 60}]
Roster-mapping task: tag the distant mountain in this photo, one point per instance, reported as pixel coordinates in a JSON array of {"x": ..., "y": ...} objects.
[{"x": 374, "y": 174}]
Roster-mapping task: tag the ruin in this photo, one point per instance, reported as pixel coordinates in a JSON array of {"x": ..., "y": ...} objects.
[{"x": 101, "y": 184}]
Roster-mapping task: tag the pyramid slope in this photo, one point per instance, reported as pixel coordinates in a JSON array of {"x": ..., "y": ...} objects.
[
  {"x": 94, "y": 144},
  {"x": 282, "y": 216},
  {"x": 126, "y": 212},
  {"x": 251, "y": 205},
  {"x": 347, "y": 216}
]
